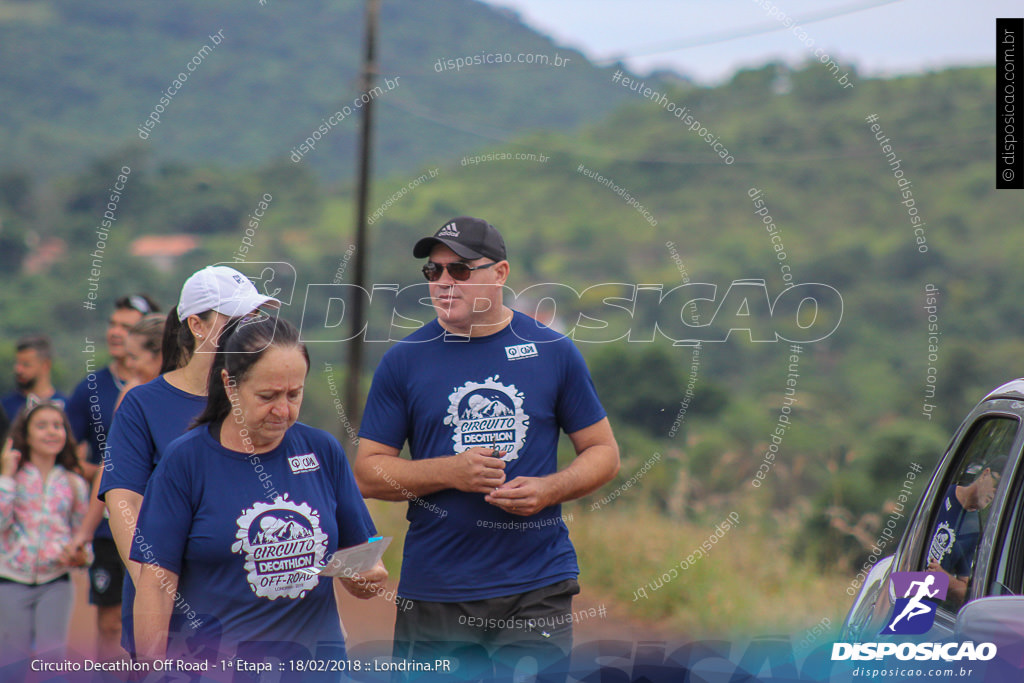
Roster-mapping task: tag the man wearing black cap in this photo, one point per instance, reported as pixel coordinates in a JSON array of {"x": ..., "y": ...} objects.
[
  {"x": 480, "y": 394},
  {"x": 957, "y": 529}
]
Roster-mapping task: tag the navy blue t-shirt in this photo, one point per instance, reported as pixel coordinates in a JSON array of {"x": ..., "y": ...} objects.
[
  {"x": 149, "y": 418},
  {"x": 955, "y": 536},
  {"x": 14, "y": 402},
  {"x": 90, "y": 412},
  {"x": 513, "y": 391},
  {"x": 236, "y": 528}
]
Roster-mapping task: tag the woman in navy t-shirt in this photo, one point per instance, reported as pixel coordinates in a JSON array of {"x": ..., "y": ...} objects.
[
  {"x": 156, "y": 413},
  {"x": 236, "y": 510}
]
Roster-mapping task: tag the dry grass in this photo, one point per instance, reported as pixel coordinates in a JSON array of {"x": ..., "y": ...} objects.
[{"x": 749, "y": 583}]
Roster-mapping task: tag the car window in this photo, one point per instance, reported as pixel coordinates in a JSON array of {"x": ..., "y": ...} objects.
[
  {"x": 1008, "y": 575},
  {"x": 961, "y": 511}
]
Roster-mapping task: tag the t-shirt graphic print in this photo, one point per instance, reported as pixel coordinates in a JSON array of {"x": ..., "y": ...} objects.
[
  {"x": 278, "y": 540},
  {"x": 488, "y": 413}
]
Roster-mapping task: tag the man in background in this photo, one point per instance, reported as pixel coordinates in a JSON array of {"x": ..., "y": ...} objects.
[
  {"x": 957, "y": 531},
  {"x": 90, "y": 412},
  {"x": 33, "y": 362}
]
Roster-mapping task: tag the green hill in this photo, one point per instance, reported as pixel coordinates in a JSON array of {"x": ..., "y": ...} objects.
[
  {"x": 668, "y": 210},
  {"x": 79, "y": 79},
  {"x": 864, "y": 405}
]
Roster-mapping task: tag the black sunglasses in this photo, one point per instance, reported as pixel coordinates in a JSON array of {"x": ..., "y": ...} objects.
[{"x": 457, "y": 269}]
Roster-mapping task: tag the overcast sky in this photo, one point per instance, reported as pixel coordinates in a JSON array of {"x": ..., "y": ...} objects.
[{"x": 709, "y": 39}]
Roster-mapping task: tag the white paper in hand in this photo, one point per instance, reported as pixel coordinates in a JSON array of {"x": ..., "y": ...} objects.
[{"x": 357, "y": 559}]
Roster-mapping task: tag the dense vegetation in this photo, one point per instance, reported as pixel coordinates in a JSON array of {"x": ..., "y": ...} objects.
[
  {"x": 80, "y": 78},
  {"x": 857, "y": 422}
]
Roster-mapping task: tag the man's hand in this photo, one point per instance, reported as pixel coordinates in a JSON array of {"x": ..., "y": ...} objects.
[
  {"x": 523, "y": 496},
  {"x": 368, "y": 584},
  {"x": 476, "y": 470},
  {"x": 957, "y": 586},
  {"x": 381, "y": 473}
]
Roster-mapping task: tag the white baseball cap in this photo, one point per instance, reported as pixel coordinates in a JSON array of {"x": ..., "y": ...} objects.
[{"x": 221, "y": 289}]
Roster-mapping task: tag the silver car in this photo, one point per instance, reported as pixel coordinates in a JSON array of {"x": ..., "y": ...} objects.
[{"x": 978, "y": 485}]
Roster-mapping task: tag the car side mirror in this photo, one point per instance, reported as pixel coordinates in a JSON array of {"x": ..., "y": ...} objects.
[{"x": 998, "y": 620}]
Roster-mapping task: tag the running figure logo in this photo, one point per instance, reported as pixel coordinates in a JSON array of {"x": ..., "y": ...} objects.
[{"x": 914, "y": 612}]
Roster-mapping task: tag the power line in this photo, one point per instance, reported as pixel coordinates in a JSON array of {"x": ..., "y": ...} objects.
[
  {"x": 516, "y": 139},
  {"x": 760, "y": 29}
]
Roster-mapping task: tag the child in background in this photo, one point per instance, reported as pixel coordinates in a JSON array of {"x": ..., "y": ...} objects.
[{"x": 43, "y": 498}]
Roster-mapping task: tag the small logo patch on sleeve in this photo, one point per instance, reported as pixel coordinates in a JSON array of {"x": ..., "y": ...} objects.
[
  {"x": 521, "y": 351},
  {"x": 303, "y": 463}
]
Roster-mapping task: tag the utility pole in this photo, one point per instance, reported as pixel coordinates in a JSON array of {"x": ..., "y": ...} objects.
[{"x": 355, "y": 349}]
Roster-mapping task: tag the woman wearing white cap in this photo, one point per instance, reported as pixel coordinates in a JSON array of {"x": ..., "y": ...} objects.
[{"x": 156, "y": 413}]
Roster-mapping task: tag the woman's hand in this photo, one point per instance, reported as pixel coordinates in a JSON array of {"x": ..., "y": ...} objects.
[
  {"x": 76, "y": 554},
  {"x": 368, "y": 584}
]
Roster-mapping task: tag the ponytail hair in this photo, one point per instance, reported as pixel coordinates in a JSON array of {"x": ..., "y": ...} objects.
[
  {"x": 178, "y": 344},
  {"x": 243, "y": 343}
]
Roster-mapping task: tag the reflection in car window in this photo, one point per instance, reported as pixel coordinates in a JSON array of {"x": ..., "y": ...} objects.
[
  {"x": 962, "y": 511},
  {"x": 1008, "y": 577}
]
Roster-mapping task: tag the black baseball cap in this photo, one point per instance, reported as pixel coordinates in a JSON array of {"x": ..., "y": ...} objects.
[
  {"x": 996, "y": 464},
  {"x": 470, "y": 238}
]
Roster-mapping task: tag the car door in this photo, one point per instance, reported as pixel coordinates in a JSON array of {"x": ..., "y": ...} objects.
[
  {"x": 994, "y": 433},
  {"x": 996, "y": 614},
  {"x": 1002, "y": 555},
  {"x": 998, "y": 567}
]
